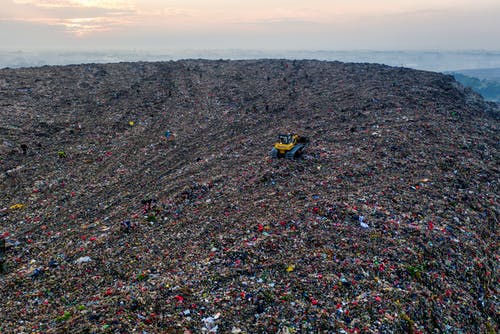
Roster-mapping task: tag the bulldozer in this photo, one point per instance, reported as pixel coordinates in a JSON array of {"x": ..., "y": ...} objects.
[{"x": 289, "y": 146}]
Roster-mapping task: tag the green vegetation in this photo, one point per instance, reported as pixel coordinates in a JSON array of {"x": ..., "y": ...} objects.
[{"x": 65, "y": 316}]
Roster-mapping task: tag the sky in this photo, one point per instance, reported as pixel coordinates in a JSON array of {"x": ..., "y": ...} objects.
[{"x": 256, "y": 24}]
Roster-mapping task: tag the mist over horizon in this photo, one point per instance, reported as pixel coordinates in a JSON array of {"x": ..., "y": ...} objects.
[{"x": 438, "y": 61}]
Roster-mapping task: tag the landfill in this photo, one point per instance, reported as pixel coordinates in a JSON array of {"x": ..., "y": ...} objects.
[{"x": 142, "y": 197}]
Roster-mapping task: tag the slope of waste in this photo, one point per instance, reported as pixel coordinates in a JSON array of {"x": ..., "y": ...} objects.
[{"x": 140, "y": 197}]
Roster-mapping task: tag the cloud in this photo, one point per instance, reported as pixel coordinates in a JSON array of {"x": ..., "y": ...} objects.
[
  {"x": 83, "y": 26},
  {"x": 76, "y": 17},
  {"x": 107, "y": 4},
  {"x": 165, "y": 12},
  {"x": 86, "y": 17}
]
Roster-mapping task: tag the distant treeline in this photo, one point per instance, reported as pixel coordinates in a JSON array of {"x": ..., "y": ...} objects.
[{"x": 489, "y": 89}]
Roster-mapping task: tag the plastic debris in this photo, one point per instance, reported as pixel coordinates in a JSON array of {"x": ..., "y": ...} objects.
[
  {"x": 83, "y": 259},
  {"x": 17, "y": 206},
  {"x": 209, "y": 325}
]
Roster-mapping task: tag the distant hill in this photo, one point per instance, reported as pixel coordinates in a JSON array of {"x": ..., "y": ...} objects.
[
  {"x": 491, "y": 74},
  {"x": 141, "y": 197},
  {"x": 485, "y": 82}
]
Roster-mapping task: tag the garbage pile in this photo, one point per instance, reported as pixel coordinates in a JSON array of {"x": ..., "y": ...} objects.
[{"x": 142, "y": 197}]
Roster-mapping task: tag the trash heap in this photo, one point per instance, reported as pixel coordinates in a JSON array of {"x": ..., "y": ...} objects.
[{"x": 141, "y": 197}]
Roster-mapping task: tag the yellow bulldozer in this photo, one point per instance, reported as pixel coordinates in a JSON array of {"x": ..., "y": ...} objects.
[{"x": 289, "y": 146}]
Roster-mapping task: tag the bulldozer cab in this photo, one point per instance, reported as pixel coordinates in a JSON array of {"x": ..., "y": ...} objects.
[{"x": 285, "y": 138}]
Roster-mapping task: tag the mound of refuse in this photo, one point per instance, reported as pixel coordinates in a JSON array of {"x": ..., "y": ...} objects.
[{"x": 141, "y": 197}]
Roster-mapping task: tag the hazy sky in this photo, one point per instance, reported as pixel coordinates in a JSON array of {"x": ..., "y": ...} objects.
[{"x": 256, "y": 24}]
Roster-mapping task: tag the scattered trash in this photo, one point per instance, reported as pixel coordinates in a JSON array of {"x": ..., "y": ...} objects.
[
  {"x": 387, "y": 224},
  {"x": 209, "y": 325},
  {"x": 83, "y": 259},
  {"x": 362, "y": 223}
]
